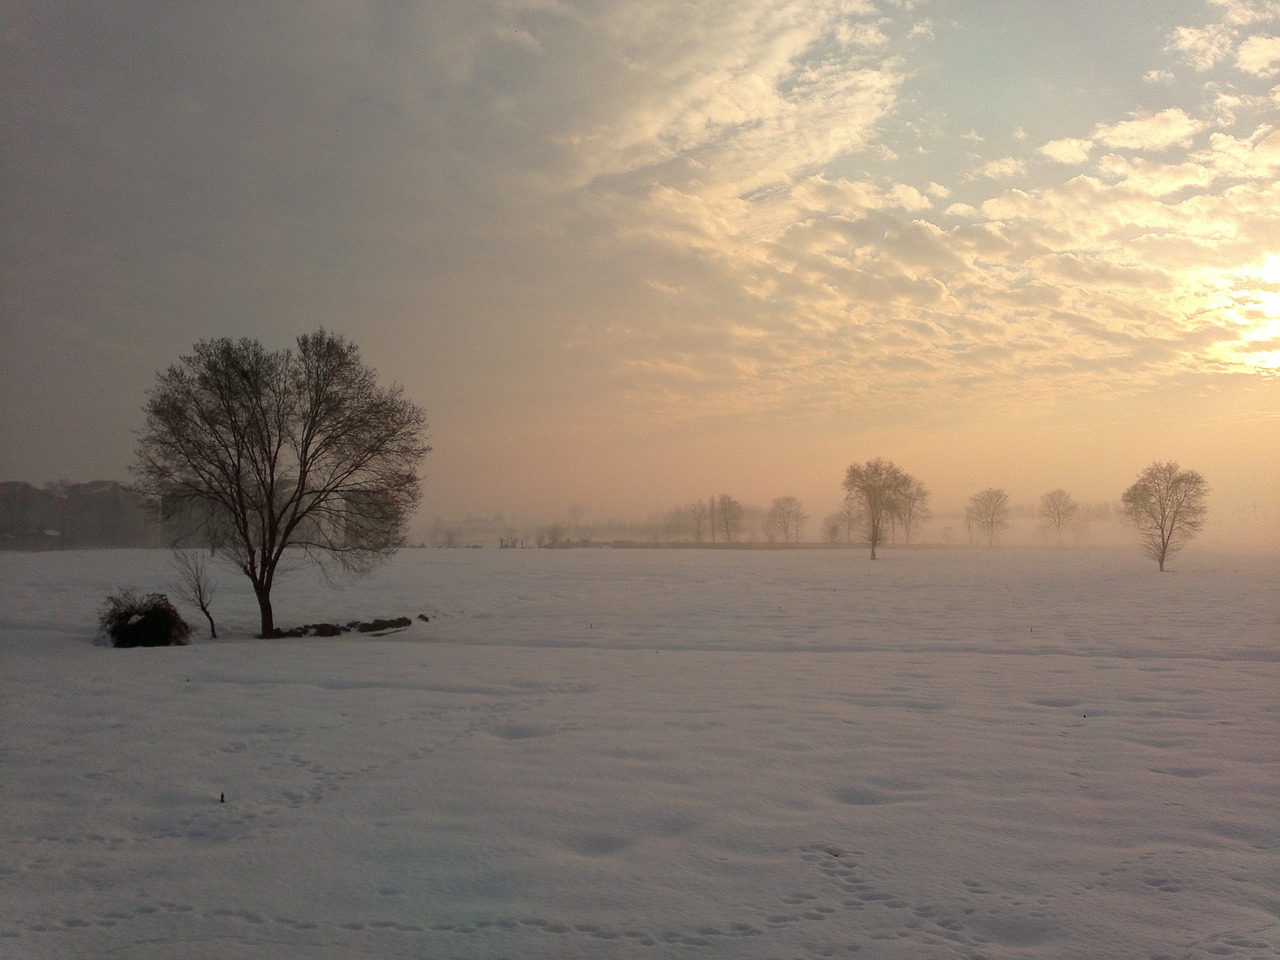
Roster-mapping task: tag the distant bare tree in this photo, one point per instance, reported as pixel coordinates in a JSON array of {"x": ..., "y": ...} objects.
[
  {"x": 698, "y": 520},
  {"x": 876, "y": 488},
  {"x": 730, "y": 513},
  {"x": 842, "y": 526},
  {"x": 770, "y": 528},
  {"x": 913, "y": 507},
  {"x": 675, "y": 524},
  {"x": 989, "y": 511},
  {"x": 785, "y": 518},
  {"x": 1167, "y": 506},
  {"x": 284, "y": 449},
  {"x": 854, "y": 519},
  {"x": 833, "y": 529},
  {"x": 193, "y": 585},
  {"x": 1058, "y": 510}
]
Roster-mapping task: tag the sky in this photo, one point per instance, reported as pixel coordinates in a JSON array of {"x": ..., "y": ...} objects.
[{"x": 631, "y": 253}]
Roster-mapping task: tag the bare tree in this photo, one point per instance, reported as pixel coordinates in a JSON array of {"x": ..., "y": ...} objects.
[
  {"x": 833, "y": 529},
  {"x": 1058, "y": 509},
  {"x": 841, "y": 526},
  {"x": 913, "y": 507},
  {"x": 876, "y": 488},
  {"x": 193, "y": 585},
  {"x": 698, "y": 520},
  {"x": 989, "y": 511},
  {"x": 730, "y": 513},
  {"x": 854, "y": 519},
  {"x": 785, "y": 518},
  {"x": 1167, "y": 506},
  {"x": 284, "y": 449}
]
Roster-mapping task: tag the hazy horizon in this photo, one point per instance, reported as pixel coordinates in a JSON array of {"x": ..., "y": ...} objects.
[{"x": 628, "y": 255}]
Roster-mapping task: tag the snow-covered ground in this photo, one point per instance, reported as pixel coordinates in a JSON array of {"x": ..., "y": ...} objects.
[{"x": 653, "y": 753}]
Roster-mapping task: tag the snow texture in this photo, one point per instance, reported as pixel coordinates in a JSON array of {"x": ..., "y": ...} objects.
[{"x": 651, "y": 753}]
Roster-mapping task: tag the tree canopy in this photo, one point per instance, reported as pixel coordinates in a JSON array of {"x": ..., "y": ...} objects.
[
  {"x": 262, "y": 451},
  {"x": 880, "y": 493},
  {"x": 1167, "y": 506}
]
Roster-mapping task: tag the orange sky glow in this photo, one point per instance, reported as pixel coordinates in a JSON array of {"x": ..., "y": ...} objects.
[{"x": 630, "y": 254}]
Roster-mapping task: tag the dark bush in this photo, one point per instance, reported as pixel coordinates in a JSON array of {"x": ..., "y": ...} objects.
[
  {"x": 397, "y": 624},
  {"x": 129, "y": 620}
]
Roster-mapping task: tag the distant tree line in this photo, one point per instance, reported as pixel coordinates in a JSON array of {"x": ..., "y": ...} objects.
[
  {"x": 64, "y": 515},
  {"x": 882, "y": 504}
]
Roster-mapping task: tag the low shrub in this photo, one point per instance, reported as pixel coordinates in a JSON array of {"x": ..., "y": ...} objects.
[
  {"x": 399, "y": 623},
  {"x": 129, "y": 620}
]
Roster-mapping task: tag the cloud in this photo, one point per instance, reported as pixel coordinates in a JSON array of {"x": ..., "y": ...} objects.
[
  {"x": 1003, "y": 168},
  {"x": 768, "y": 89},
  {"x": 1259, "y": 56},
  {"x": 1156, "y": 179},
  {"x": 1203, "y": 47},
  {"x": 1257, "y": 156},
  {"x": 1069, "y": 150},
  {"x": 657, "y": 213},
  {"x": 1150, "y": 131},
  {"x": 1246, "y": 12}
]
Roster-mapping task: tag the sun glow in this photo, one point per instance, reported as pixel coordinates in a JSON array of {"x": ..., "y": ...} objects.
[{"x": 1249, "y": 298}]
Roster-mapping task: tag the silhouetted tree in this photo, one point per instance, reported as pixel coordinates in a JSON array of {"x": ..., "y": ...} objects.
[
  {"x": 194, "y": 586},
  {"x": 786, "y": 518},
  {"x": 913, "y": 507},
  {"x": 840, "y": 527},
  {"x": 1167, "y": 506},
  {"x": 833, "y": 529},
  {"x": 1058, "y": 509},
  {"x": 877, "y": 488},
  {"x": 284, "y": 449},
  {"x": 989, "y": 511},
  {"x": 698, "y": 520},
  {"x": 730, "y": 513}
]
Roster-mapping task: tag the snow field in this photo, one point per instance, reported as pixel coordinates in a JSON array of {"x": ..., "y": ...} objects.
[{"x": 945, "y": 754}]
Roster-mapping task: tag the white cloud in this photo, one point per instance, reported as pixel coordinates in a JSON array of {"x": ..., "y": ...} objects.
[
  {"x": 1257, "y": 156},
  {"x": 1069, "y": 150},
  {"x": 1202, "y": 47},
  {"x": 1003, "y": 168},
  {"x": 1259, "y": 56},
  {"x": 1158, "y": 76},
  {"x": 855, "y": 197},
  {"x": 1245, "y": 12},
  {"x": 1157, "y": 179},
  {"x": 761, "y": 96},
  {"x": 909, "y": 198},
  {"x": 1154, "y": 131}
]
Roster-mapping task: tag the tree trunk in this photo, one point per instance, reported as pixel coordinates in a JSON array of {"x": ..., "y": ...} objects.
[
  {"x": 213, "y": 630},
  {"x": 263, "y": 594}
]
